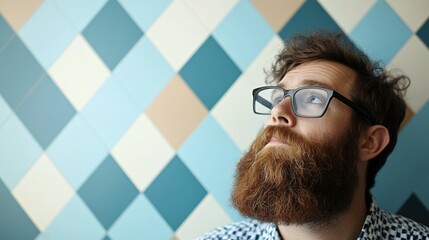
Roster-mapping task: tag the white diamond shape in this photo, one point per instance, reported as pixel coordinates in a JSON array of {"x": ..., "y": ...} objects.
[
  {"x": 79, "y": 72},
  {"x": 413, "y": 61},
  {"x": 264, "y": 60},
  {"x": 347, "y": 13},
  {"x": 414, "y": 13},
  {"x": 205, "y": 217},
  {"x": 234, "y": 113},
  {"x": 211, "y": 12},
  {"x": 177, "y": 33},
  {"x": 43, "y": 192},
  {"x": 142, "y": 152},
  {"x": 234, "y": 110}
]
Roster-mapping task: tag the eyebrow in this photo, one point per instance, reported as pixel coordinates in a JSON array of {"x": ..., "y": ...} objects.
[{"x": 310, "y": 82}]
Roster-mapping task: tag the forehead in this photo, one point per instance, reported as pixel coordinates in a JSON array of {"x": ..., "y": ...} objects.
[{"x": 328, "y": 74}]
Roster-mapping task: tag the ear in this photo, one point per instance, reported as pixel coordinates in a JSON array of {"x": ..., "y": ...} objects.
[{"x": 372, "y": 141}]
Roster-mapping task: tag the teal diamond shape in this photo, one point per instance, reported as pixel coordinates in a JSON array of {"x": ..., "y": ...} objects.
[
  {"x": 175, "y": 192},
  {"x": 108, "y": 192},
  {"x": 112, "y": 33}
]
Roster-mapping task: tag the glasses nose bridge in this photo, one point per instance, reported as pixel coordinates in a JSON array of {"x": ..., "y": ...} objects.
[{"x": 288, "y": 93}]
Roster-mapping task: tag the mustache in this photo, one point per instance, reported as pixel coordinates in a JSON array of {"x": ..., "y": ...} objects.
[{"x": 280, "y": 133}]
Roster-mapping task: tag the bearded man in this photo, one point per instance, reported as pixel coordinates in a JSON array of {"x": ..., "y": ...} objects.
[{"x": 333, "y": 119}]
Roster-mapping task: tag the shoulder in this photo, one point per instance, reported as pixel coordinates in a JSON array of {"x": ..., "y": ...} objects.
[
  {"x": 250, "y": 229},
  {"x": 402, "y": 227},
  {"x": 380, "y": 224}
]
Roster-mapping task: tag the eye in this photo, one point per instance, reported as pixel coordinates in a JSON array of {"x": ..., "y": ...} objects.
[
  {"x": 314, "y": 99},
  {"x": 276, "y": 100},
  {"x": 311, "y": 98},
  {"x": 276, "y": 97}
]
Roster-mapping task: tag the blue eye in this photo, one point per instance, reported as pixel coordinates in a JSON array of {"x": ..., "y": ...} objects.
[
  {"x": 314, "y": 99},
  {"x": 276, "y": 97},
  {"x": 277, "y": 100}
]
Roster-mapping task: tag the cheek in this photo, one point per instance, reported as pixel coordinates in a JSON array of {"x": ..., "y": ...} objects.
[
  {"x": 319, "y": 128},
  {"x": 339, "y": 114},
  {"x": 336, "y": 120}
]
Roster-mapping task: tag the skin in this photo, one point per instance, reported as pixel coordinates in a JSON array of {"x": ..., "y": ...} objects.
[{"x": 372, "y": 141}]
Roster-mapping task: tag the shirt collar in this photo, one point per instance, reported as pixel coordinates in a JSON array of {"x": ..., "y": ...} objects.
[{"x": 373, "y": 223}]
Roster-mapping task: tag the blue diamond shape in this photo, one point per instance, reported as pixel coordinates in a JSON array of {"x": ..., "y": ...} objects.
[
  {"x": 140, "y": 219},
  {"x": 243, "y": 33},
  {"x": 77, "y": 151},
  {"x": 311, "y": 15},
  {"x": 5, "y": 111},
  {"x": 152, "y": 10},
  {"x": 144, "y": 72},
  {"x": 210, "y": 72},
  {"x": 47, "y": 33},
  {"x": 413, "y": 145},
  {"x": 175, "y": 192},
  {"x": 75, "y": 221},
  {"x": 18, "y": 151},
  {"x": 390, "y": 190},
  {"x": 6, "y": 33},
  {"x": 80, "y": 12},
  {"x": 19, "y": 72},
  {"x": 207, "y": 157},
  {"x": 14, "y": 223},
  {"x": 422, "y": 191},
  {"x": 423, "y": 33},
  {"x": 112, "y": 33},
  {"x": 41, "y": 237},
  {"x": 110, "y": 112},
  {"x": 381, "y": 45},
  {"x": 108, "y": 192},
  {"x": 45, "y": 111}
]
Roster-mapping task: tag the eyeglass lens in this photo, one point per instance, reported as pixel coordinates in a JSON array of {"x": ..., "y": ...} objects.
[{"x": 307, "y": 102}]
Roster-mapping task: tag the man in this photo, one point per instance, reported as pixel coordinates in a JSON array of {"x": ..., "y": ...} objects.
[{"x": 333, "y": 119}]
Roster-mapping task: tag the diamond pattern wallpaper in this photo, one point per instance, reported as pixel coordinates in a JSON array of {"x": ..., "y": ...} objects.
[{"x": 124, "y": 119}]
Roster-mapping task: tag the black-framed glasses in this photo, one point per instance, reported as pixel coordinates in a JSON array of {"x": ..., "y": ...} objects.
[{"x": 308, "y": 101}]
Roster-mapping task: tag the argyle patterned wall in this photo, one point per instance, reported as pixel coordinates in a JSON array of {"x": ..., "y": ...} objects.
[{"x": 124, "y": 119}]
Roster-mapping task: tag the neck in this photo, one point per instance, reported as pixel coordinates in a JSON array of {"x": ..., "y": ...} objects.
[{"x": 347, "y": 225}]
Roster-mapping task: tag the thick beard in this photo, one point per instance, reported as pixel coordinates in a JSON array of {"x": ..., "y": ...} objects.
[{"x": 303, "y": 182}]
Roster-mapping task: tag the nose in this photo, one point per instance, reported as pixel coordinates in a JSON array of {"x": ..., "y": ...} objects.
[{"x": 282, "y": 114}]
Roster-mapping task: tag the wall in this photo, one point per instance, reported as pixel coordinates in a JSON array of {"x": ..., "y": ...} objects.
[{"x": 124, "y": 119}]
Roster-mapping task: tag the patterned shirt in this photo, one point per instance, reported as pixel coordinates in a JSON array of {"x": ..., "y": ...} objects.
[{"x": 378, "y": 225}]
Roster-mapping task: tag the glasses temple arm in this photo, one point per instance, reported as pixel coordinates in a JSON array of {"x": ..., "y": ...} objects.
[
  {"x": 263, "y": 101},
  {"x": 355, "y": 107}
]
